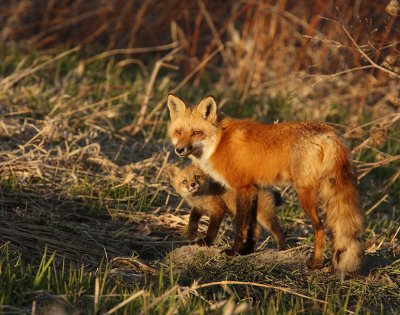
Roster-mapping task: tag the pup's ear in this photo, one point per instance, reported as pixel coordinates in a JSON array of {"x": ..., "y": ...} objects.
[
  {"x": 207, "y": 109},
  {"x": 172, "y": 171},
  {"x": 176, "y": 106}
]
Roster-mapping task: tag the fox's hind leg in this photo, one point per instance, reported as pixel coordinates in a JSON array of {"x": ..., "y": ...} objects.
[
  {"x": 267, "y": 219},
  {"x": 259, "y": 231},
  {"x": 308, "y": 201},
  {"x": 271, "y": 224}
]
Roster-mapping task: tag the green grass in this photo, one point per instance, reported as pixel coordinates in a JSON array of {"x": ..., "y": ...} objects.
[
  {"x": 76, "y": 288},
  {"x": 73, "y": 288},
  {"x": 76, "y": 178}
]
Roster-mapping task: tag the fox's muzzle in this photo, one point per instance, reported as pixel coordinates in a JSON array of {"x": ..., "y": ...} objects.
[{"x": 184, "y": 151}]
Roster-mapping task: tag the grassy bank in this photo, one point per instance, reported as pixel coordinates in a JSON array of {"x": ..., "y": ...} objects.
[{"x": 87, "y": 214}]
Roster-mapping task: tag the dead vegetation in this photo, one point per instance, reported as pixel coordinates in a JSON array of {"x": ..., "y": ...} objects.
[{"x": 82, "y": 129}]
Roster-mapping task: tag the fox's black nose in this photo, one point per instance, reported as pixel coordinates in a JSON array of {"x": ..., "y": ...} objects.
[
  {"x": 184, "y": 150},
  {"x": 179, "y": 150},
  {"x": 193, "y": 184}
]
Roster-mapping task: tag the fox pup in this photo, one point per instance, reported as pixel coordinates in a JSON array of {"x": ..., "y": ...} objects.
[
  {"x": 243, "y": 154},
  {"x": 207, "y": 197}
]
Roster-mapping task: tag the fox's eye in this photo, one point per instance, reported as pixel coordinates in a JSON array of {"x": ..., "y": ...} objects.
[
  {"x": 196, "y": 177},
  {"x": 178, "y": 132},
  {"x": 197, "y": 132},
  {"x": 184, "y": 182}
]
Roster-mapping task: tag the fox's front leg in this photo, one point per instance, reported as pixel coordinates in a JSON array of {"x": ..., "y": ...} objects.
[
  {"x": 215, "y": 221},
  {"x": 193, "y": 226},
  {"x": 246, "y": 221}
]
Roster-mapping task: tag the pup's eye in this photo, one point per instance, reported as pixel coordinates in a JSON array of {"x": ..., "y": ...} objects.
[
  {"x": 196, "y": 177},
  {"x": 197, "y": 132},
  {"x": 184, "y": 182},
  {"x": 178, "y": 132}
]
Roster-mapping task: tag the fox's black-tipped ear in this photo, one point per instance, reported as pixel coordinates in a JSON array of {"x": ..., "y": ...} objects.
[
  {"x": 207, "y": 108},
  {"x": 172, "y": 171},
  {"x": 176, "y": 106}
]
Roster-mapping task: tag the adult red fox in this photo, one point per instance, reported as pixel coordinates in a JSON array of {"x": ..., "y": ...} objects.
[
  {"x": 243, "y": 155},
  {"x": 207, "y": 197}
]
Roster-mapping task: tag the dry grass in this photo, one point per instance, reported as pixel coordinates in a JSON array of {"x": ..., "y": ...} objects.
[{"x": 83, "y": 146}]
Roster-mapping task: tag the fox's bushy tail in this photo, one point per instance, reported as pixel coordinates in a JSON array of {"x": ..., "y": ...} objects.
[{"x": 339, "y": 197}]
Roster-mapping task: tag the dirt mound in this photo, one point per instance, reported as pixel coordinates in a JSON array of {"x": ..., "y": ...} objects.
[
  {"x": 192, "y": 257},
  {"x": 185, "y": 257}
]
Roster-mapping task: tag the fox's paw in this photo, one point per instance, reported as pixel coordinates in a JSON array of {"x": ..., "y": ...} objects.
[{"x": 314, "y": 263}]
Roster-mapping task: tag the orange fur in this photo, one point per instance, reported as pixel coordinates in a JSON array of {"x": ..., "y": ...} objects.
[
  {"x": 243, "y": 155},
  {"x": 207, "y": 197}
]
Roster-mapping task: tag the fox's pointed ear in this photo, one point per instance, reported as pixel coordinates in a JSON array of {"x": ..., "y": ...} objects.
[
  {"x": 176, "y": 106},
  {"x": 172, "y": 171},
  {"x": 207, "y": 108}
]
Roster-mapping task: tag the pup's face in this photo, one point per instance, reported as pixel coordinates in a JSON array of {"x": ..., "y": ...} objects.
[{"x": 188, "y": 181}]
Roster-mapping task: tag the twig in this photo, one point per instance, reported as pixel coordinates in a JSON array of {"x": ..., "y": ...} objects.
[
  {"x": 395, "y": 234},
  {"x": 128, "y": 51},
  {"x": 150, "y": 85},
  {"x": 396, "y": 117},
  {"x": 362, "y": 52},
  {"x": 163, "y": 165},
  {"x": 376, "y": 204},
  {"x": 134, "y": 264},
  {"x": 336, "y": 74},
  {"x": 214, "y": 31},
  {"x": 368, "y": 167}
]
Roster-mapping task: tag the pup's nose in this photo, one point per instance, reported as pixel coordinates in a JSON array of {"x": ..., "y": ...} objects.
[
  {"x": 193, "y": 184},
  {"x": 180, "y": 150}
]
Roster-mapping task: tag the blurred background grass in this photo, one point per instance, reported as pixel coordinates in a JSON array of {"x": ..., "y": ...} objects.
[{"x": 83, "y": 86}]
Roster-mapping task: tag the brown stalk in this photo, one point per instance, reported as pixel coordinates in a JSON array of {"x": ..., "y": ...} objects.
[{"x": 143, "y": 108}]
